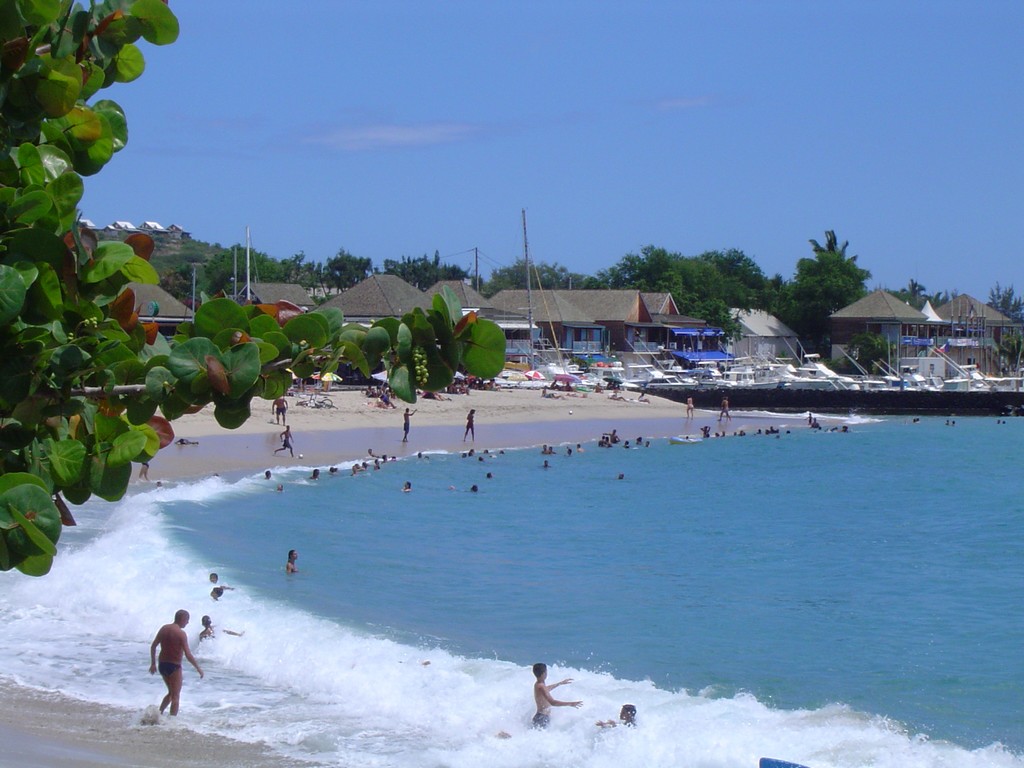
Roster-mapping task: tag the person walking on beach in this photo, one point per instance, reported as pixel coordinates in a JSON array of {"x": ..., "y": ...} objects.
[
  {"x": 724, "y": 413},
  {"x": 470, "y": 429},
  {"x": 405, "y": 425},
  {"x": 173, "y": 644},
  {"x": 542, "y": 696},
  {"x": 290, "y": 566},
  {"x": 279, "y": 409},
  {"x": 689, "y": 408},
  {"x": 286, "y": 442}
]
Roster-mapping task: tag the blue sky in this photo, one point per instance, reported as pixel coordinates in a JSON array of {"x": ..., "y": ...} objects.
[{"x": 396, "y": 129}]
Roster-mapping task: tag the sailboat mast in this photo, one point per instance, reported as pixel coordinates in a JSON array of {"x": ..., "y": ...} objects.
[
  {"x": 529, "y": 295},
  {"x": 248, "y": 247}
]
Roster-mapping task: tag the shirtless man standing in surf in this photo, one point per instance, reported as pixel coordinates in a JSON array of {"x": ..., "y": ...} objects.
[{"x": 173, "y": 644}]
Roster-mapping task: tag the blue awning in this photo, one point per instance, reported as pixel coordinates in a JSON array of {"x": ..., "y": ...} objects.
[
  {"x": 701, "y": 356},
  {"x": 697, "y": 331},
  {"x": 595, "y": 358}
]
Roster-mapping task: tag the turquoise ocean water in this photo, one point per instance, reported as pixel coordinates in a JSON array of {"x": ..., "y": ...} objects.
[{"x": 833, "y": 599}]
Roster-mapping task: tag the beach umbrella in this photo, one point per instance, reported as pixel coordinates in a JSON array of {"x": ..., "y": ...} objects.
[
  {"x": 568, "y": 378},
  {"x": 381, "y": 376},
  {"x": 331, "y": 377},
  {"x": 534, "y": 375}
]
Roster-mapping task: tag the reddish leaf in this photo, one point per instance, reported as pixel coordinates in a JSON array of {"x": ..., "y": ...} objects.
[
  {"x": 122, "y": 309},
  {"x": 14, "y": 53},
  {"x": 268, "y": 309},
  {"x": 102, "y": 26},
  {"x": 217, "y": 375},
  {"x": 66, "y": 518},
  {"x": 286, "y": 311},
  {"x": 240, "y": 337},
  {"x": 108, "y": 408},
  {"x": 468, "y": 319},
  {"x": 151, "y": 329},
  {"x": 142, "y": 244},
  {"x": 163, "y": 429}
]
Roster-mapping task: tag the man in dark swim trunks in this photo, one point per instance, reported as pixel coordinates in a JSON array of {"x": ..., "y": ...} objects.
[
  {"x": 173, "y": 644},
  {"x": 543, "y": 698}
]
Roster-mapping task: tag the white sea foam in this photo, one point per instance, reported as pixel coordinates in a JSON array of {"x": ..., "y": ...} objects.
[{"x": 314, "y": 688}]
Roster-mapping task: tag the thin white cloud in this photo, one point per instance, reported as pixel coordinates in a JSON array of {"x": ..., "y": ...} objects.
[
  {"x": 675, "y": 105},
  {"x": 385, "y": 136}
]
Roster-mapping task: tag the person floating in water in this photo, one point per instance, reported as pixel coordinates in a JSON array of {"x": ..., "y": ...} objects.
[
  {"x": 627, "y": 716},
  {"x": 208, "y": 632},
  {"x": 542, "y": 696},
  {"x": 173, "y": 643},
  {"x": 290, "y": 566}
]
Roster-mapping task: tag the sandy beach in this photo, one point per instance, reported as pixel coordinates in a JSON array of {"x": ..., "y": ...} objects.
[
  {"x": 503, "y": 419},
  {"x": 48, "y": 730}
]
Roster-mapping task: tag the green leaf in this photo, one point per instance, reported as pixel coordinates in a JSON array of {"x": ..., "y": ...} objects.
[
  {"x": 242, "y": 365},
  {"x": 66, "y": 192},
  {"x": 30, "y": 207},
  {"x": 108, "y": 482},
  {"x": 188, "y": 360},
  {"x": 159, "y": 381},
  {"x": 116, "y": 124},
  {"x": 401, "y": 383},
  {"x": 109, "y": 258},
  {"x": 231, "y": 414},
  {"x": 45, "y": 296},
  {"x": 129, "y": 64},
  {"x": 335, "y": 320},
  {"x": 67, "y": 460},
  {"x": 12, "y": 293},
  {"x": 60, "y": 87},
  {"x": 36, "y": 565},
  {"x": 138, "y": 270},
  {"x": 159, "y": 25},
  {"x": 68, "y": 360},
  {"x": 16, "y": 479},
  {"x": 217, "y": 315},
  {"x": 447, "y": 303},
  {"x": 30, "y": 519},
  {"x": 310, "y": 329},
  {"x": 404, "y": 347},
  {"x": 126, "y": 448},
  {"x": 484, "y": 353}
]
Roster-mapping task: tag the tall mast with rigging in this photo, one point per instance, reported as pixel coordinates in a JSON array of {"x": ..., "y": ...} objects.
[{"x": 529, "y": 295}]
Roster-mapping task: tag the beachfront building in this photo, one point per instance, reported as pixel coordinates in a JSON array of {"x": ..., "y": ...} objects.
[
  {"x": 970, "y": 332},
  {"x": 887, "y": 316},
  {"x": 764, "y": 337},
  {"x": 595, "y": 324},
  {"x": 155, "y": 305},
  {"x": 376, "y": 297},
  {"x": 964, "y": 331}
]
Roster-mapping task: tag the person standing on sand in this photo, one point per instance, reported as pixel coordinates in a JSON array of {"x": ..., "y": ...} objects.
[
  {"x": 286, "y": 442},
  {"x": 470, "y": 429},
  {"x": 405, "y": 425},
  {"x": 279, "y": 409},
  {"x": 724, "y": 413},
  {"x": 543, "y": 698},
  {"x": 689, "y": 408},
  {"x": 173, "y": 644}
]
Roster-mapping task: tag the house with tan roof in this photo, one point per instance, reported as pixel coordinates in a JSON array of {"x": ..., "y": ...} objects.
[
  {"x": 764, "y": 336},
  {"x": 155, "y": 305},
  {"x": 971, "y": 331},
  {"x": 376, "y": 297}
]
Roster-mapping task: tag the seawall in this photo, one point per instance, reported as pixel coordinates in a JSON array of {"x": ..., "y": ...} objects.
[{"x": 844, "y": 401}]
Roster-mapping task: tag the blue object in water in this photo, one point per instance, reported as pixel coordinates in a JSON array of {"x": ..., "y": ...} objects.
[{"x": 768, "y": 762}]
